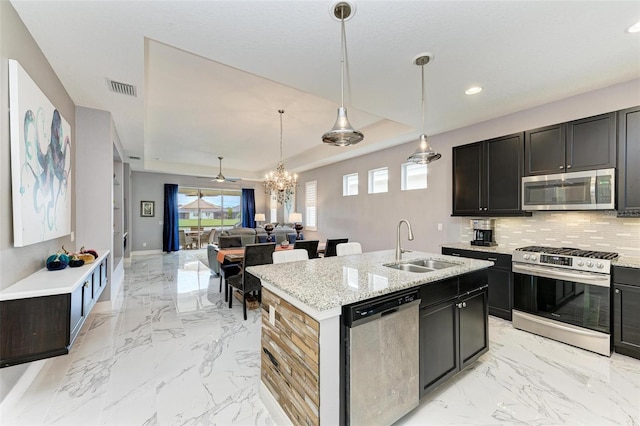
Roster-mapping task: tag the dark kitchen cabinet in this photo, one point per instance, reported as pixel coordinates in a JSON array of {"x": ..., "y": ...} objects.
[
  {"x": 626, "y": 315},
  {"x": 628, "y": 182},
  {"x": 500, "y": 279},
  {"x": 486, "y": 177},
  {"x": 453, "y": 332},
  {"x": 585, "y": 144}
]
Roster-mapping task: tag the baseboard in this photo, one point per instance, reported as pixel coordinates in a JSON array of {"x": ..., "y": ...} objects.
[
  {"x": 275, "y": 411},
  {"x": 145, "y": 252},
  {"x": 21, "y": 386}
]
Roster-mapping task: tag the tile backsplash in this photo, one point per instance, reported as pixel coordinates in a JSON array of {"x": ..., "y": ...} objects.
[{"x": 601, "y": 231}]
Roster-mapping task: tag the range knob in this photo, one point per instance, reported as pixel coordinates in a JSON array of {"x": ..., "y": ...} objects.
[
  {"x": 526, "y": 257},
  {"x": 590, "y": 264},
  {"x": 600, "y": 265},
  {"x": 534, "y": 257},
  {"x": 580, "y": 263}
]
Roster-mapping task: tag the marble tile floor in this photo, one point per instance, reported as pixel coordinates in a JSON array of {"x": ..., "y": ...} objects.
[{"x": 173, "y": 353}]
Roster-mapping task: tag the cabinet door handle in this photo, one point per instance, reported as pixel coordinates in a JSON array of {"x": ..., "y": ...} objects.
[
  {"x": 493, "y": 259},
  {"x": 617, "y": 291},
  {"x": 568, "y": 166},
  {"x": 561, "y": 167},
  {"x": 455, "y": 254}
]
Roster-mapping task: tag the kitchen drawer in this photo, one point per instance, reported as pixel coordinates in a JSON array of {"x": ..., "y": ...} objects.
[
  {"x": 439, "y": 291},
  {"x": 500, "y": 260},
  {"x": 624, "y": 275}
]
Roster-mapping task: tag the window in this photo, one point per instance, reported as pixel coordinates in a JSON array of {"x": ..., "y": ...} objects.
[
  {"x": 378, "y": 180},
  {"x": 273, "y": 208},
  {"x": 202, "y": 209},
  {"x": 414, "y": 176},
  {"x": 350, "y": 184},
  {"x": 310, "y": 204}
]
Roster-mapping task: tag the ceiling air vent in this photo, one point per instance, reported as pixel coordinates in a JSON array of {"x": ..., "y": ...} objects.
[{"x": 122, "y": 88}]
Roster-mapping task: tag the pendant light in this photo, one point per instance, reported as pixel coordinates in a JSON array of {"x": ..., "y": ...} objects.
[
  {"x": 342, "y": 133},
  {"x": 424, "y": 154}
]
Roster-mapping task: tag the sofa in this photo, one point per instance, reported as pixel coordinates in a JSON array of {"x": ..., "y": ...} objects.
[{"x": 259, "y": 235}]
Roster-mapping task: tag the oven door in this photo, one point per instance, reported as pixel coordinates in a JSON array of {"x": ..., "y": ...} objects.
[{"x": 577, "y": 298}]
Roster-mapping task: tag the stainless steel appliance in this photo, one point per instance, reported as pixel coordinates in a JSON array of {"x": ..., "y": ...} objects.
[
  {"x": 483, "y": 232},
  {"x": 564, "y": 294},
  {"x": 590, "y": 190},
  {"x": 383, "y": 357}
]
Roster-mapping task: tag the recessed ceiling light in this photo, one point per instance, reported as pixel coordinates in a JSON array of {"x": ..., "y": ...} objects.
[
  {"x": 473, "y": 90},
  {"x": 634, "y": 28}
]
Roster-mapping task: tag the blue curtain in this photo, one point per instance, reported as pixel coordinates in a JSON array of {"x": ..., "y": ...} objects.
[
  {"x": 248, "y": 208},
  {"x": 170, "y": 235}
]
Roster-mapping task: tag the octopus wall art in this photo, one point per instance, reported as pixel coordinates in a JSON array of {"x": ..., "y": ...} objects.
[{"x": 40, "y": 162}]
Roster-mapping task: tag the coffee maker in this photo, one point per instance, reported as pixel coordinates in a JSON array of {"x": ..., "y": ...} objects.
[{"x": 483, "y": 232}]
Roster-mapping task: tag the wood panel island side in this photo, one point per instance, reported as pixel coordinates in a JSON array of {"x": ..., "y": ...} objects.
[{"x": 312, "y": 360}]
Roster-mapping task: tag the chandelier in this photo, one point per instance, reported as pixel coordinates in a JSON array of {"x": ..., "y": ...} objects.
[{"x": 281, "y": 182}]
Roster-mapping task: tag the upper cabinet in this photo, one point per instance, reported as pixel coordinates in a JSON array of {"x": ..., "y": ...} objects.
[
  {"x": 585, "y": 144},
  {"x": 486, "y": 177},
  {"x": 628, "y": 160}
]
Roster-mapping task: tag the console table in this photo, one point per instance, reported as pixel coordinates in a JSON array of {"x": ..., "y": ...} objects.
[{"x": 41, "y": 315}]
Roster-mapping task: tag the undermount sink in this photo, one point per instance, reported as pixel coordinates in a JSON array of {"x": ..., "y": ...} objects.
[{"x": 421, "y": 265}]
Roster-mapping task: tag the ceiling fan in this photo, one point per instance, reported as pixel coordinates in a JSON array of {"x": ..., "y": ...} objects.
[{"x": 221, "y": 177}]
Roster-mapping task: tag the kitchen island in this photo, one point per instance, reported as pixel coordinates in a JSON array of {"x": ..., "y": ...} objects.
[{"x": 305, "y": 374}]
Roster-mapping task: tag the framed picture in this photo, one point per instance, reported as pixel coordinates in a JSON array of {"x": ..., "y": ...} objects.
[
  {"x": 147, "y": 208},
  {"x": 40, "y": 162}
]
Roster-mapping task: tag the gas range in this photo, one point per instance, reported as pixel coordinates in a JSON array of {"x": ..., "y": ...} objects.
[{"x": 568, "y": 258}]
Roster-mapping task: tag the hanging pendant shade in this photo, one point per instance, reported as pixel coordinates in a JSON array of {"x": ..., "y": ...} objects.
[
  {"x": 342, "y": 133},
  {"x": 424, "y": 154}
]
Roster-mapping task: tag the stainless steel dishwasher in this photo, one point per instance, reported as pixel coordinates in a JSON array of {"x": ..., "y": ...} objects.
[{"x": 383, "y": 359}]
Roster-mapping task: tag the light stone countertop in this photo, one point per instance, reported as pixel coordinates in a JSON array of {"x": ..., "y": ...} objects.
[
  {"x": 623, "y": 260},
  {"x": 467, "y": 246},
  {"x": 627, "y": 261},
  {"x": 328, "y": 283},
  {"x": 48, "y": 283}
]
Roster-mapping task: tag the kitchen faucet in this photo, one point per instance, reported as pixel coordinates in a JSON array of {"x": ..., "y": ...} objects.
[{"x": 399, "y": 249}]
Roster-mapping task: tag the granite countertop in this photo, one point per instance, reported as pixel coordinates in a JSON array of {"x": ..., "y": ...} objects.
[
  {"x": 328, "y": 283},
  {"x": 627, "y": 261},
  {"x": 623, "y": 260},
  {"x": 467, "y": 246}
]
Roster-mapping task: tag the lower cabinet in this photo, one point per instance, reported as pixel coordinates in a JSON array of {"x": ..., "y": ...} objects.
[
  {"x": 34, "y": 328},
  {"x": 500, "y": 279},
  {"x": 453, "y": 334},
  {"x": 626, "y": 314}
]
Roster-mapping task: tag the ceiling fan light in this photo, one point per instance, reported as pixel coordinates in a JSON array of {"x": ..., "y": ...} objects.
[
  {"x": 342, "y": 133},
  {"x": 424, "y": 154}
]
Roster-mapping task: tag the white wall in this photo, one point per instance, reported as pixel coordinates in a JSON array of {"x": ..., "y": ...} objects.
[
  {"x": 372, "y": 219},
  {"x": 17, "y": 263}
]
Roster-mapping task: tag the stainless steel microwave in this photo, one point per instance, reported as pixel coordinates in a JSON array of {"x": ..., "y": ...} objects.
[{"x": 590, "y": 190}]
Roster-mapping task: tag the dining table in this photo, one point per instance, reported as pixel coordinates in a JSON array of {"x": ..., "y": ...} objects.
[{"x": 236, "y": 254}]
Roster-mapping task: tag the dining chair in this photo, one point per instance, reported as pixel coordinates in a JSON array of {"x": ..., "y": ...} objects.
[
  {"x": 182, "y": 239},
  {"x": 346, "y": 249},
  {"x": 228, "y": 269},
  {"x": 294, "y": 255},
  {"x": 254, "y": 254},
  {"x": 311, "y": 246},
  {"x": 330, "y": 246}
]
